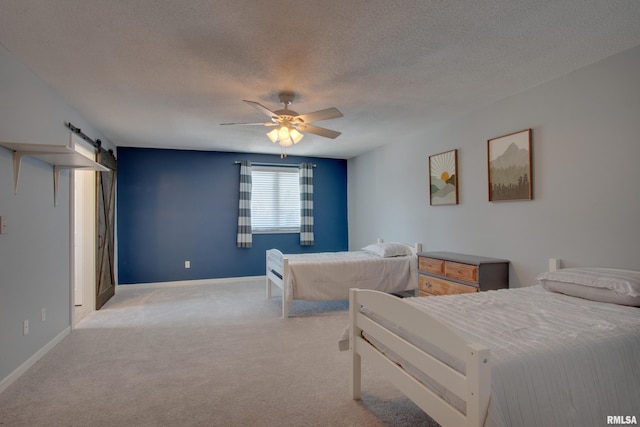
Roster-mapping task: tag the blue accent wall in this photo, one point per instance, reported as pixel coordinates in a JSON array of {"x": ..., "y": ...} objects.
[{"x": 178, "y": 205}]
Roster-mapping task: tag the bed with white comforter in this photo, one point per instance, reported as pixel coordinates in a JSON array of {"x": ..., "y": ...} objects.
[
  {"x": 328, "y": 276},
  {"x": 555, "y": 359}
]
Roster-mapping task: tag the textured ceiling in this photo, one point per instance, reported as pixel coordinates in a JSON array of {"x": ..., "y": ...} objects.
[{"x": 165, "y": 74}]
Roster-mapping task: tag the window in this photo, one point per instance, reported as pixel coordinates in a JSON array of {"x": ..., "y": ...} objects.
[{"x": 275, "y": 200}]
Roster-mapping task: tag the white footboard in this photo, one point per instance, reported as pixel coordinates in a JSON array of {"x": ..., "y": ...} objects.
[
  {"x": 473, "y": 388},
  {"x": 278, "y": 273}
]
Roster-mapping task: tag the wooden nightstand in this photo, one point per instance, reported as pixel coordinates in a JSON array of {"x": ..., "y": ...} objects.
[{"x": 445, "y": 273}]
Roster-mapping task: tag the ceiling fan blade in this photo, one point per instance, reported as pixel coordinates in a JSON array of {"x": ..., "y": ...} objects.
[
  {"x": 316, "y": 116},
  {"x": 261, "y": 108},
  {"x": 317, "y": 130},
  {"x": 251, "y": 124}
]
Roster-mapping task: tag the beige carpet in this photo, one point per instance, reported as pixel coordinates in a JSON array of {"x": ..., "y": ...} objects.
[{"x": 203, "y": 355}]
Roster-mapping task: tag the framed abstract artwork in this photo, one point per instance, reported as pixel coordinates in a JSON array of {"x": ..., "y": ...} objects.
[
  {"x": 509, "y": 166},
  {"x": 443, "y": 178}
]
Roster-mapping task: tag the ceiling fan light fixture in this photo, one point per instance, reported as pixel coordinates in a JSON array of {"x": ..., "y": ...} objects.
[
  {"x": 284, "y": 136},
  {"x": 283, "y": 133},
  {"x": 286, "y": 142},
  {"x": 295, "y": 135},
  {"x": 273, "y": 135}
]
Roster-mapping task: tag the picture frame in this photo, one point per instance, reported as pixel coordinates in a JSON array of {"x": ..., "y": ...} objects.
[
  {"x": 509, "y": 167},
  {"x": 443, "y": 178}
]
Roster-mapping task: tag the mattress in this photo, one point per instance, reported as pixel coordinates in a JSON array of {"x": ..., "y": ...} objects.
[
  {"x": 328, "y": 276},
  {"x": 556, "y": 360}
]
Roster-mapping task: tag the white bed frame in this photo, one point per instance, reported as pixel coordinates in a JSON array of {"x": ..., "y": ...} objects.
[
  {"x": 278, "y": 272},
  {"x": 474, "y": 388}
]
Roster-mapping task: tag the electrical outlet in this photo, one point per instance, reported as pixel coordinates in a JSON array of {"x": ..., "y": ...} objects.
[
  {"x": 44, "y": 314},
  {"x": 25, "y": 327},
  {"x": 187, "y": 264}
]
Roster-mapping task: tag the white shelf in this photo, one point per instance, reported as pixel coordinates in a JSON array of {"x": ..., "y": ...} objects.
[{"x": 60, "y": 156}]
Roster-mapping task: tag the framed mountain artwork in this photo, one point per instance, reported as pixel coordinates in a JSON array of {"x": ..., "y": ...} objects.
[
  {"x": 443, "y": 178},
  {"x": 509, "y": 158}
]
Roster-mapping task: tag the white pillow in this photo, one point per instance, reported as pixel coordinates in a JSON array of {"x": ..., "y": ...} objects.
[
  {"x": 386, "y": 250},
  {"x": 597, "y": 284}
]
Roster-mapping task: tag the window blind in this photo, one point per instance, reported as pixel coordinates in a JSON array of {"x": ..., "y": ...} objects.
[{"x": 275, "y": 199}]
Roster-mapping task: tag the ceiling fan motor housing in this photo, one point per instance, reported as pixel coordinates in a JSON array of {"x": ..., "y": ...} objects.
[{"x": 286, "y": 97}]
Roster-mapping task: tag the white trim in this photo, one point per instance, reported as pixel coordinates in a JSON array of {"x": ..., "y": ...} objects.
[
  {"x": 9, "y": 379},
  {"x": 72, "y": 254},
  {"x": 196, "y": 282}
]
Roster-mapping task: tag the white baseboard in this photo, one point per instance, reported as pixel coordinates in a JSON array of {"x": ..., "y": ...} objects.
[
  {"x": 200, "y": 281},
  {"x": 6, "y": 382}
]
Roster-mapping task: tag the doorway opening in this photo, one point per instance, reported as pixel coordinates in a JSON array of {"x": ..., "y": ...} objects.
[{"x": 84, "y": 238}]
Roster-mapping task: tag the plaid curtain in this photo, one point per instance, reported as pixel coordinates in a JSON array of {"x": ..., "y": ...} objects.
[
  {"x": 306, "y": 204},
  {"x": 244, "y": 212}
]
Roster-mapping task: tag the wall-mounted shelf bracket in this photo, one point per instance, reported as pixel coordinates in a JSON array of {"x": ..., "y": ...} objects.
[{"x": 60, "y": 156}]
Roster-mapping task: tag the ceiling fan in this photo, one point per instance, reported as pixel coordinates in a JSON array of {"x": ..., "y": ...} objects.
[{"x": 289, "y": 124}]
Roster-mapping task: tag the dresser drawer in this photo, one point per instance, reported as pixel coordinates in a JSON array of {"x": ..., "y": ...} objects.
[
  {"x": 434, "y": 286},
  {"x": 478, "y": 273},
  {"x": 466, "y": 272},
  {"x": 431, "y": 265}
]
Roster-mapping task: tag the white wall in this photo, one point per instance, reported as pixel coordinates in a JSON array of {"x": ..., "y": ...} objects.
[
  {"x": 34, "y": 254},
  {"x": 586, "y": 177}
]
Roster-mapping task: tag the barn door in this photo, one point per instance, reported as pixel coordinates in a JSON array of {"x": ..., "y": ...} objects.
[{"x": 105, "y": 269}]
